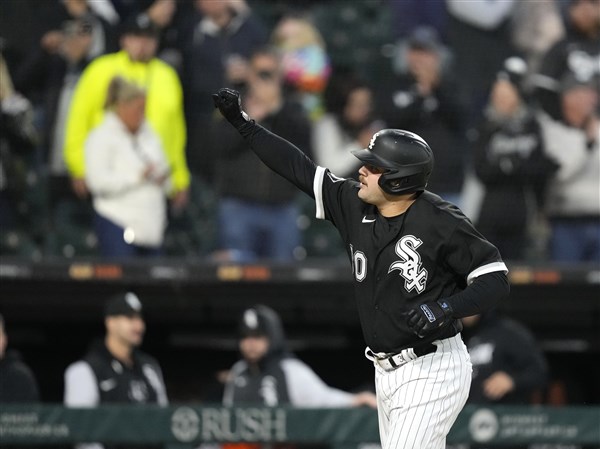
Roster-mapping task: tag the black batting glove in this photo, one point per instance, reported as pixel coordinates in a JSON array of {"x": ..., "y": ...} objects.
[
  {"x": 428, "y": 317},
  {"x": 229, "y": 103}
]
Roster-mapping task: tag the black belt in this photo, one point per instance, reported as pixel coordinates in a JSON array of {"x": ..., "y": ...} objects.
[{"x": 425, "y": 349}]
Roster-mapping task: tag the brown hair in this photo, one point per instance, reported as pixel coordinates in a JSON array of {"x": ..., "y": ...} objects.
[{"x": 120, "y": 90}]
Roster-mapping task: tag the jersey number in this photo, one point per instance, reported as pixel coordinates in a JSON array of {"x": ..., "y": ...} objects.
[{"x": 359, "y": 265}]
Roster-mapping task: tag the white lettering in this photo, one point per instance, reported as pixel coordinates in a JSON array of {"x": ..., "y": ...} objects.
[{"x": 252, "y": 425}]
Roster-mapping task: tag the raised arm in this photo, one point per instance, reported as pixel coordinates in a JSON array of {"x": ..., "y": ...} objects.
[{"x": 278, "y": 154}]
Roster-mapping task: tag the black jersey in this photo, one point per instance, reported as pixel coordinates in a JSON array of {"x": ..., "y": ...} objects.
[{"x": 430, "y": 252}]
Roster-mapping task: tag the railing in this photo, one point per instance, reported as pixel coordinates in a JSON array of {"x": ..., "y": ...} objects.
[{"x": 188, "y": 424}]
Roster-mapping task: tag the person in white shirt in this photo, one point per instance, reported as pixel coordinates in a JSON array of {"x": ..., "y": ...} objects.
[{"x": 128, "y": 176}]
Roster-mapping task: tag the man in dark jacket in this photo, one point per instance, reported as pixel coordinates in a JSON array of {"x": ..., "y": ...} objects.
[
  {"x": 427, "y": 101},
  {"x": 577, "y": 55},
  {"x": 217, "y": 43},
  {"x": 508, "y": 365},
  {"x": 115, "y": 370},
  {"x": 17, "y": 382},
  {"x": 258, "y": 208},
  {"x": 510, "y": 162}
]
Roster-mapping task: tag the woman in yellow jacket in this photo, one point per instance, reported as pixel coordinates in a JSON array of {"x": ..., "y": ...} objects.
[{"x": 137, "y": 63}]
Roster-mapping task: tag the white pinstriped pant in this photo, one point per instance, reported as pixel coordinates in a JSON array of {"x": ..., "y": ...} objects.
[{"x": 418, "y": 402}]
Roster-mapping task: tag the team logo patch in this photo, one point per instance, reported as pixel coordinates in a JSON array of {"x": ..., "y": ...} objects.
[
  {"x": 409, "y": 265},
  {"x": 372, "y": 142}
]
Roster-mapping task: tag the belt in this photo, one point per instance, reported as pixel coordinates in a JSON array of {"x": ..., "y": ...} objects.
[{"x": 390, "y": 362}]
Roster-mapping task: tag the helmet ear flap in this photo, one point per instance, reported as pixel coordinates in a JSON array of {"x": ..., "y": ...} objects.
[
  {"x": 396, "y": 184},
  {"x": 391, "y": 186}
]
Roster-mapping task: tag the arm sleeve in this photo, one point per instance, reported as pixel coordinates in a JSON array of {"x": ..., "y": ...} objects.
[
  {"x": 482, "y": 294},
  {"x": 528, "y": 367},
  {"x": 281, "y": 156},
  {"x": 306, "y": 389},
  {"x": 81, "y": 389},
  {"x": 487, "y": 170},
  {"x": 27, "y": 388},
  {"x": 84, "y": 104},
  {"x": 175, "y": 144},
  {"x": 228, "y": 391},
  {"x": 566, "y": 146}
]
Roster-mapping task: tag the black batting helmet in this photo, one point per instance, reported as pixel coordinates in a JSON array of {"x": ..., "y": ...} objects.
[{"x": 405, "y": 157}]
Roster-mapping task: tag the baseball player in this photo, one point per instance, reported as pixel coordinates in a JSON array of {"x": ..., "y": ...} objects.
[{"x": 418, "y": 266}]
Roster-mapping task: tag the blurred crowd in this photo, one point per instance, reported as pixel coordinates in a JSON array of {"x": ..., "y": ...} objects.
[{"x": 110, "y": 145}]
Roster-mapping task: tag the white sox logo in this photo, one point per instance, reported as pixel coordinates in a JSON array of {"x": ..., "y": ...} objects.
[
  {"x": 409, "y": 264},
  {"x": 372, "y": 142}
]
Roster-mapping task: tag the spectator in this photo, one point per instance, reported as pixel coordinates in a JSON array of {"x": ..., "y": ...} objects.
[
  {"x": 135, "y": 62},
  {"x": 158, "y": 12},
  {"x": 475, "y": 27},
  {"x": 348, "y": 124},
  {"x": 114, "y": 370},
  {"x": 427, "y": 101},
  {"x": 573, "y": 204},
  {"x": 508, "y": 365},
  {"x": 18, "y": 137},
  {"x": 56, "y": 74},
  {"x": 216, "y": 48},
  {"x": 511, "y": 163},
  {"x": 577, "y": 55},
  {"x": 270, "y": 375},
  {"x": 128, "y": 176},
  {"x": 536, "y": 26},
  {"x": 306, "y": 65},
  {"x": 17, "y": 382},
  {"x": 257, "y": 219},
  {"x": 33, "y": 25}
]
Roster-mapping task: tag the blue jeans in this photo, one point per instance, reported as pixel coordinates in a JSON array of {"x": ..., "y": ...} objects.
[
  {"x": 575, "y": 241},
  {"x": 112, "y": 244},
  {"x": 252, "y": 230}
]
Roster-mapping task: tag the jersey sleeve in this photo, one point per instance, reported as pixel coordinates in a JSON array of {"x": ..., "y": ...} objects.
[
  {"x": 470, "y": 255},
  {"x": 336, "y": 199},
  {"x": 281, "y": 156}
]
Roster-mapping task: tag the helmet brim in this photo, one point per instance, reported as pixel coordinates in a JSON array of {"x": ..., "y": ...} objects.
[{"x": 368, "y": 157}]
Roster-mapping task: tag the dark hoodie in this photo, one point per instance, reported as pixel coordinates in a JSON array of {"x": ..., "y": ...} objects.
[
  {"x": 498, "y": 343},
  {"x": 17, "y": 382},
  {"x": 265, "y": 382},
  {"x": 279, "y": 378}
]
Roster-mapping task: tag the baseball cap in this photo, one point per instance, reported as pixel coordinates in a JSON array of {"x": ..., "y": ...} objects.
[
  {"x": 571, "y": 81},
  {"x": 424, "y": 38},
  {"x": 140, "y": 26},
  {"x": 514, "y": 70},
  {"x": 127, "y": 304},
  {"x": 253, "y": 323}
]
